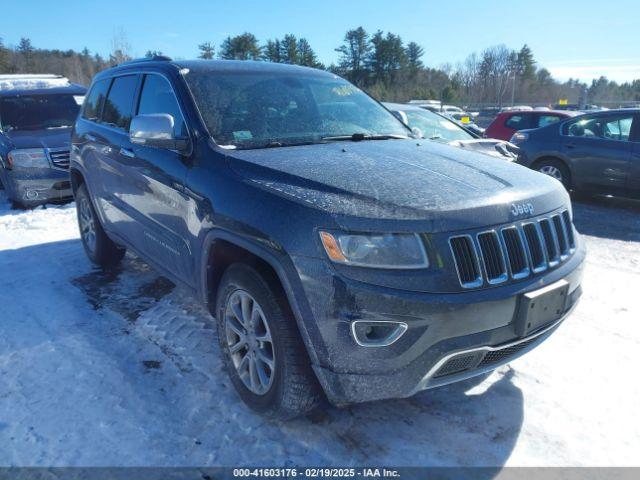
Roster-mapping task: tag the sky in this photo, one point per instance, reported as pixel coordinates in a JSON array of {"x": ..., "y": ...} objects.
[{"x": 572, "y": 39}]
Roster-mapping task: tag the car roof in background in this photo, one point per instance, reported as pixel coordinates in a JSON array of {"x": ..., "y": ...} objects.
[
  {"x": 404, "y": 107},
  {"x": 564, "y": 113},
  {"x": 73, "y": 89}
]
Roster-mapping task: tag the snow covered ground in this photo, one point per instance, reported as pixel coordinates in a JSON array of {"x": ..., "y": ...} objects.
[{"x": 122, "y": 369}]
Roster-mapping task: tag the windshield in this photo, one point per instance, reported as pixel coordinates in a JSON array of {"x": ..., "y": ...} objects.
[
  {"x": 257, "y": 110},
  {"x": 38, "y": 112},
  {"x": 435, "y": 127}
]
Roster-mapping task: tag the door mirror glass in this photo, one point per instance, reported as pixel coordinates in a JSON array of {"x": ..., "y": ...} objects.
[{"x": 155, "y": 130}]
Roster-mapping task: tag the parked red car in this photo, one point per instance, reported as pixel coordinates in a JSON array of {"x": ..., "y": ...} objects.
[{"x": 508, "y": 123}]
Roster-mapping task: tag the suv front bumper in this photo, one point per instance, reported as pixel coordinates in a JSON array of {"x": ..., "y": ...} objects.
[
  {"x": 38, "y": 186},
  {"x": 450, "y": 337}
]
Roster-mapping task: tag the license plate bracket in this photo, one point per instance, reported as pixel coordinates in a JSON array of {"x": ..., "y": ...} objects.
[{"x": 541, "y": 307}]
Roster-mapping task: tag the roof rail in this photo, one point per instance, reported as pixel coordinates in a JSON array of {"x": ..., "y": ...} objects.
[{"x": 155, "y": 58}]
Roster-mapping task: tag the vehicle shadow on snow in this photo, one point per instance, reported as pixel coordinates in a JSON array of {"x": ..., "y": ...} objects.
[
  {"x": 476, "y": 422},
  {"x": 607, "y": 217}
]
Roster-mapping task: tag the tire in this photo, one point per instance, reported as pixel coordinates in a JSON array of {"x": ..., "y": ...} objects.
[
  {"x": 556, "y": 169},
  {"x": 100, "y": 249},
  {"x": 288, "y": 387}
]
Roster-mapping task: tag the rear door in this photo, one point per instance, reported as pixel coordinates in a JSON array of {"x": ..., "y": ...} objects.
[
  {"x": 633, "y": 180},
  {"x": 599, "y": 149},
  {"x": 119, "y": 188},
  {"x": 160, "y": 204}
]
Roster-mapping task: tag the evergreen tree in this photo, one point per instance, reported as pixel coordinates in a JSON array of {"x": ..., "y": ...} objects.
[
  {"x": 289, "y": 49},
  {"x": 306, "y": 56},
  {"x": 353, "y": 55},
  {"x": 526, "y": 65},
  {"x": 414, "y": 53},
  {"x": 271, "y": 51},
  {"x": 206, "y": 50},
  {"x": 240, "y": 47}
]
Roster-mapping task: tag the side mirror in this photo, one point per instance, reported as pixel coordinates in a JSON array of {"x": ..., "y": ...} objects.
[
  {"x": 401, "y": 116},
  {"x": 155, "y": 130},
  {"x": 417, "y": 132}
]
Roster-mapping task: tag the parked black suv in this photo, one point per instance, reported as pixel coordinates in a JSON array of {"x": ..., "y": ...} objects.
[
  {"x": 337, "y": 253},
  {"x": 36, "y": 115}
]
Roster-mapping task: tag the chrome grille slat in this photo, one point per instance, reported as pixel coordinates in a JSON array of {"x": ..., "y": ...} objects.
[
  {"x": 466, "y": 261},
  {"x": 495, "y": 268},
  {"x": 513, "y": 251},
  {"x": 59, "y": 158}
]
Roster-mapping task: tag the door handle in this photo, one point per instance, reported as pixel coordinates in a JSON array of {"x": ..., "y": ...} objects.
[
  {"x": 125, "y": 152},
  {"x": 571, "y": 145}
]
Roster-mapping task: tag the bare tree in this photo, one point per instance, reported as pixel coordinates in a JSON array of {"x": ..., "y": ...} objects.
[{"x": 120, "y": 47}]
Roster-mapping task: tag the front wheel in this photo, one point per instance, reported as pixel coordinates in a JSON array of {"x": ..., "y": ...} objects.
[
  {"x": 556, "y": 169},
  {"x": 100, "y": 249},
  {"x": 261, "y": 347}
]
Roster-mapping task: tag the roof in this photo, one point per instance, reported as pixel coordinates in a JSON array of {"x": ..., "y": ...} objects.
[
  {"x": 37, "y": 84},
  {"x": 226, "y": 66}
]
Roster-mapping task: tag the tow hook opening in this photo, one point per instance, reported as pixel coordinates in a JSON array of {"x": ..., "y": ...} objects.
[
  {"x": 31, "y": 194},
  {"x": 376, "y": 333}
]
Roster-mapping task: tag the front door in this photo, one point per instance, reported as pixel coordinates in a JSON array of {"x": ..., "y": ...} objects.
[
  {"x": 599, "y": 149},
  {"x": 160, "y": 204}
]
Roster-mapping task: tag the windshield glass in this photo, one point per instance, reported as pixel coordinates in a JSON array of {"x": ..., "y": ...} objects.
[
  {"x": 256, "y": 110},
  {"x": 435, "y": 127},
  {"x": 38, "y": 112}
]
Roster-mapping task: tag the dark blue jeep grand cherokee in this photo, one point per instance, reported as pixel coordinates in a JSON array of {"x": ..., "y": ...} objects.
[
  {"x": 337, "y": 253},
  {"x": 36, "y": 116}
]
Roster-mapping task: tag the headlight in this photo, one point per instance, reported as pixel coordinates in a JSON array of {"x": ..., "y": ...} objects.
[
  {"x": 28, "y": 158},
  {"x": 519, "y": 137},
  {"x": 386, "y": 250}
]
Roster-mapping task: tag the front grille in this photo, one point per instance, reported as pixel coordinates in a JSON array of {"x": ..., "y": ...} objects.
[
  {"x": 59, "y": 158},
  {"x": 456, "y": 365},
  {"x": 496, "y": 356},
  {"x": 526, "y": 248}
]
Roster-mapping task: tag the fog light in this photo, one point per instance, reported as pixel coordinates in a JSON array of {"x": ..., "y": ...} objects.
[
  {"x": 31, "y": 194},
  {"x": 371, "y": 333}
]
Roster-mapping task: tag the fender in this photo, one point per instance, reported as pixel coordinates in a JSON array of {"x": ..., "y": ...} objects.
[{"x": 281, "y": 264}]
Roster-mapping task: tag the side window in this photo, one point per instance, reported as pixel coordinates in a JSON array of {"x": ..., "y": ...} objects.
[
  {"x": 119, "y": 104},
  {"x": 518, "y": 122},
  {"x": 544, "y": 120},
  {"x": 609, "y": 127},
  {"x": 158, "y": 97},
  {"x": 95, "y": 99}
]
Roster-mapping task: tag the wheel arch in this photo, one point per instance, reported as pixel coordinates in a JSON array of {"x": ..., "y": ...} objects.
[{"x": 222, "y": 248}]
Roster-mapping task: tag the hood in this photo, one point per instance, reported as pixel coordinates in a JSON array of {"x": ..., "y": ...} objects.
[
  {"x": 361, "y": 183},
  {"x": 53, "y": 138},
  {"x": 489, "y": 146}
]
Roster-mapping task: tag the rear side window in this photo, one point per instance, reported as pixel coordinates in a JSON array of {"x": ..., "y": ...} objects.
[
  {"x": 95, "y": 99},
  {"x": 544, "y": 120},
  {"x": 158, "y": 97},
  {"x": 119, "y": 104},
  {"x": 608, "y": 127},
  {"x": 518, "y": 122}
]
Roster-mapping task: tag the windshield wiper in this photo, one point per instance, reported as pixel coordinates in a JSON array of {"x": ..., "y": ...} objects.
[{"x": 358, "y": 137}]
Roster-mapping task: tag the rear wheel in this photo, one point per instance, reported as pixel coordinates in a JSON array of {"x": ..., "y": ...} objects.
[
  {"x": 100, "y": 249},
  {"x": 556, "y": 169},
  {"x": 261, "y": 347}
]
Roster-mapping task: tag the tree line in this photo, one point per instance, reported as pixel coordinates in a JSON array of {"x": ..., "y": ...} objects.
[{"x": 380, "y": 63}]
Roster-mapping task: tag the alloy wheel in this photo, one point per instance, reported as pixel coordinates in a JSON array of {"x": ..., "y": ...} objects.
[
  {"x": 552, "y": 172},
  {"x": 87, "y": 224},
  {"x": 249, "y": 341}
]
